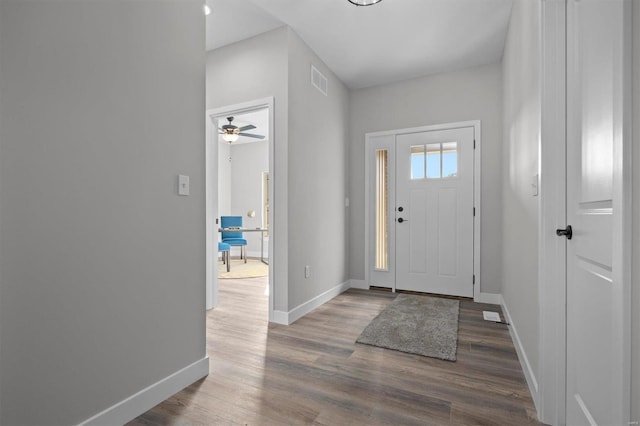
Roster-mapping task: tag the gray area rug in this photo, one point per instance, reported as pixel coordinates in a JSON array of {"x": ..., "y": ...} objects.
[{"x": 420, "y": 325}]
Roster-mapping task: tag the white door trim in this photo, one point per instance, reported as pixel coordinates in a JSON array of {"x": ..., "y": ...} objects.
[
  {"x": 372, "y": 144},
  {"x": 623, "y": 202},
  {"x": 477, "y": 191},
  {"x": 211, "y": 178},
  {"x": 551, "y": 249}
]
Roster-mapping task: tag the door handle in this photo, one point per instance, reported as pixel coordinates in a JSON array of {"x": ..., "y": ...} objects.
[
  {"x": 568, "y": 232},
  {"x": 400, "y": 220}
]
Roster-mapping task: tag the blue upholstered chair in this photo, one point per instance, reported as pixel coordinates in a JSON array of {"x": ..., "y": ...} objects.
[
  {"x": 225, "y": 248},
  {"x": 234, "y": 238}
]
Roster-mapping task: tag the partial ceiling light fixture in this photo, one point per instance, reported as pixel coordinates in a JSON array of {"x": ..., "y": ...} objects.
[
  {"x": 230, "y": 137},
  {"x": 364, "y": 2}
]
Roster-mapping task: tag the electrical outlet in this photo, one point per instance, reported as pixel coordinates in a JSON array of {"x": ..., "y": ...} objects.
[{"x": 307, "y": 271}]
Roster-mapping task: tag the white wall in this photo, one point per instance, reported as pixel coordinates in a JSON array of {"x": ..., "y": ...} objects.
[
  {"x": 102, "y": 286},
  {"x": 318, "y": 143},
  {"x": 521, "y": 139},
  {"x": 470, "y": 94},
  {"x": 635, "y": 328},
  {"x": 248, "y": 162},
  {"x": 252, "y": 69}
]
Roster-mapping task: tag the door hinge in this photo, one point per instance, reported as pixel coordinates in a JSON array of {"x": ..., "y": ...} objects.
[
  {"x": 474, "y": 144},
  {"x": 474, "y": 279},
  {"x": 474, "y": 212}
]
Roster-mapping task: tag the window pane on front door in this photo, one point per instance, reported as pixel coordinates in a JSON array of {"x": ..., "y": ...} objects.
[
  {"x": 449, "y": 159},
  {"x": 417, "y": 162},
  {"x": 433, "y": 161}
]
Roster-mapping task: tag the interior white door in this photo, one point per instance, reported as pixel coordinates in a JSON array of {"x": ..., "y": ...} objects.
[
  {"x": 434, "y": 212},
  {"x": 596, "y": 376}
]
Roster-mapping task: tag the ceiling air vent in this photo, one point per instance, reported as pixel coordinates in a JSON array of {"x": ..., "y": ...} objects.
[{"x": 318, "y": 80}]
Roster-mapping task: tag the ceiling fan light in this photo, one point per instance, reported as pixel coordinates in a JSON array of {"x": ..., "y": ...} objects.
[
  {"x": 364, "y": 2},
  {"x": 230, "y": 137}
]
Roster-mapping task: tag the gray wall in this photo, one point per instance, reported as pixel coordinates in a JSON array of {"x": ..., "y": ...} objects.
[
  {"x": 635, "y": 328},
  {"x": 472, "y": 94},
  {"x": 253, "y": 69},
  {"x": 521, "y": 138},
  {"x": 1, "y": 133},
  {"x": 318, "y": 144},
  {"x": 102, "y": 286}
]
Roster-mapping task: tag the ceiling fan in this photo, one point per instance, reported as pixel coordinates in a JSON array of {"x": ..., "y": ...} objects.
[{"x": 231, "y": 132}]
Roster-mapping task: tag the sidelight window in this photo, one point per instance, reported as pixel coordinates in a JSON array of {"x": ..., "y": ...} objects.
[{"x": 382, "y": 207}]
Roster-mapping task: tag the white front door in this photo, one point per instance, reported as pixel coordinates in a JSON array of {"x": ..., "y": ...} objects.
[
  {"x": 434, "y": 211},
  {"x": 597, "y": 293}
]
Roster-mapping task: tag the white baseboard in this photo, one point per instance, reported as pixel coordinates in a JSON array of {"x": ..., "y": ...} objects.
[
  {"x": 361, "y": 284},
  {"x": 250, "y": 254},
  {"x": 256, "y": 254},
  {"x": 128, "y": 409},
  {"x": 281, "y": 317},
  {"x": 491, "y": 298},
  {"x": 522, "y": 356}
]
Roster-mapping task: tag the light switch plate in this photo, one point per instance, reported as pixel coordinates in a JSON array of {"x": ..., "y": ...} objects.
[
  {"x": 534, "y": 185},
  {"x": 183, "y": 185}
]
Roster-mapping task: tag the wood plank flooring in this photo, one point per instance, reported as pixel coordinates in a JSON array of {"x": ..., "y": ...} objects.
[{"x": 312, "y": 372}]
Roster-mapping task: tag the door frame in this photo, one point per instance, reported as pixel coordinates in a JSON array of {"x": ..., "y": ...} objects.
[
  {"x": 478, "y": 296},
  {"x": 551, "y": 402},
  {"x": 211, "y": 198},
  {"x": 549, "y": 392}
]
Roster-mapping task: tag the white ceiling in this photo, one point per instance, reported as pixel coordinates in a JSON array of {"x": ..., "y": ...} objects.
[{"x": 366, "y": 46}]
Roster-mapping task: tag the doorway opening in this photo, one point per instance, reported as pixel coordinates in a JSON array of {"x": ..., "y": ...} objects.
[{"x": 239, "y": 154}]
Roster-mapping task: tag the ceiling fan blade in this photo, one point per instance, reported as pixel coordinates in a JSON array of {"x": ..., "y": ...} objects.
[
  {"x": 247, "y": 127},
  {"x": 249, "y": 135}
]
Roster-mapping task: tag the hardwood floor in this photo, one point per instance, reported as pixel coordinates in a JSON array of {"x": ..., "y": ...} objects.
[{"x": 312, "y": 372}]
